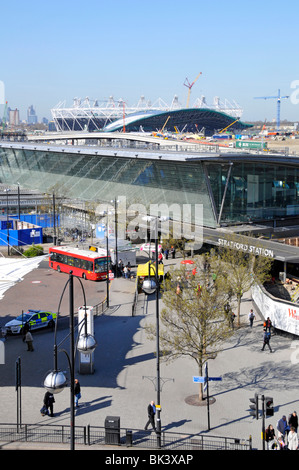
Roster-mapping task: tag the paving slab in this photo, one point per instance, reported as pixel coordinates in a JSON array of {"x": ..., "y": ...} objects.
[{"x": 123, "y": 382}]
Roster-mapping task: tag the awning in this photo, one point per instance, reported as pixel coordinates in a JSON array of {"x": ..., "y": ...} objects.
[
  {"x": 143, "y": 269},
  {"x": 257, "y": 246}
]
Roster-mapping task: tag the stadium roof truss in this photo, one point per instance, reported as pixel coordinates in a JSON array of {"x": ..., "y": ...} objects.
[{"x": 96, "y": 115}]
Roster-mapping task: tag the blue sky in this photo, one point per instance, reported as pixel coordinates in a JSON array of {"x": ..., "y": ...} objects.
[{"x": 57, "y": 50}]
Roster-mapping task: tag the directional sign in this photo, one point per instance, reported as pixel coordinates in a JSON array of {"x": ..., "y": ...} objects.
[
  {"x": 201, "y": 379},
  {"x": 198, "y": 379}
]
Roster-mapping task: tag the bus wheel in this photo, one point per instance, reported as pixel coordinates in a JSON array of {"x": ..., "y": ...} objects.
[{"x": 58, "y": 269}]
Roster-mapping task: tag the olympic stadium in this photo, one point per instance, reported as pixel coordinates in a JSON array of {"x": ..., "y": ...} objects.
[{"x": 146, "y": 117}]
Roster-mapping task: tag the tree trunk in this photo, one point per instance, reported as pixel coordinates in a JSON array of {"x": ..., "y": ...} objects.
[
  {"x": 200, "y": 389},
  {"x": 239, "y": 309}
]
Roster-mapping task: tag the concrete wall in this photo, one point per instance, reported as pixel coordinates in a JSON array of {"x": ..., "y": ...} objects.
[{"x": 284, "y": 315}]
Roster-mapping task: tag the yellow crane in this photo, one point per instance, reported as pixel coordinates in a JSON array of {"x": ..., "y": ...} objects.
[
  {"x": 190, "y": 85},
  {"x": 228, "y": 126}
]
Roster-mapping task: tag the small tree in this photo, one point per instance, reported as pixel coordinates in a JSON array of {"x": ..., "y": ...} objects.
[
  {"x": 194, "y": 314},
  {"x": 34, "y": 250}
]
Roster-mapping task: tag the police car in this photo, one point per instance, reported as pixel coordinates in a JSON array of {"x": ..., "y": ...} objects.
[{"x": 34, "y": 318}]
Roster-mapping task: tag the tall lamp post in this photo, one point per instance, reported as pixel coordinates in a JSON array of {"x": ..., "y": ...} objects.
[
  {"x": 7, "y": 220},
  {"x": 115, "y": 224},
  {"x": 56, "y": 381},
  {"x": 149, "y": 287}
]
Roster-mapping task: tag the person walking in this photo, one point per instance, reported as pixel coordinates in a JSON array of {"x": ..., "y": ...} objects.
[
  {"x": 293, "y": 421},
  {"x": 282, "y": 427},
  {"x": 268, "y": 325},
  {"x": 292, "y": 439},
  {"x": 267, "y": 341},
  {"x": 270, "y": 436},
  {"x": 29, "y": 341},
  {"x": 251, "y": 317},
  {"x": 151, "y": 411},
  {"x": 49, "y": 400},
  {"x": 77, "y": 392}
]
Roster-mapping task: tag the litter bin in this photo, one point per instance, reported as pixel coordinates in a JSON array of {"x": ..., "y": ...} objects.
[
  {"x": 112, "y": 430},
  {"x": 129, "y": 438}
]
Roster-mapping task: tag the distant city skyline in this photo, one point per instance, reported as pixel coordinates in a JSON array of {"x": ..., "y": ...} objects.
[{"x": 135, "y": 49}]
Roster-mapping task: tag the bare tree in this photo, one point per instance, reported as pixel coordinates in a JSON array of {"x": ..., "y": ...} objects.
[{"x": 194, "y": 317}]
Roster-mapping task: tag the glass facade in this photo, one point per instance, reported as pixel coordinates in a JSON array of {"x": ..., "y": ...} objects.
[
  {"x": 101, "y": 178},
  {"x": 254, "y": 190}
]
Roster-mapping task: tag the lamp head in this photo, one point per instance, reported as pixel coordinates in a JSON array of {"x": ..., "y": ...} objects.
[{"x": 55, "y": 381}]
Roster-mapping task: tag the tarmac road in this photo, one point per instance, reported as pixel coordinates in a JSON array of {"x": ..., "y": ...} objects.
[
  {"x": 42, "y": 289},
  {"x": 125, "y": 368}
]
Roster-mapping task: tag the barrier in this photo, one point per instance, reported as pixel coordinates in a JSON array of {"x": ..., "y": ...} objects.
[{"x": 95, "y": 435}]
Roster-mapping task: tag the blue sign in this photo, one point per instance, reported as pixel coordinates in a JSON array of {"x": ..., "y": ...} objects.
[{"x": 198, "y": 379}]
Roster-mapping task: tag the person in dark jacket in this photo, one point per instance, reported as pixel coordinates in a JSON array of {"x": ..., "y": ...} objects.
[
  {"x": 151, "y": 411},
  {"x": 77, "y": 392},
  {"x": 49, "y": 401},
  {"x": 293, "y": 421}
]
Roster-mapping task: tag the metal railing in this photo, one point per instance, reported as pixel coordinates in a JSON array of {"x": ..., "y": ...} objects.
[
  {"x": 101, "y": 436},
  {"x": 100, "y": 308}
]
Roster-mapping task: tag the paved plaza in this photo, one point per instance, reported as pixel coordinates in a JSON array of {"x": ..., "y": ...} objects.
[{"x": 123, "y": 382}]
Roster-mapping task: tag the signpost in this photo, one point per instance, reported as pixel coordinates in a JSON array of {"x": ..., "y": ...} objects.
[
  {"x": 18, "y": 390},
  {"x": 205, "y": 380}
]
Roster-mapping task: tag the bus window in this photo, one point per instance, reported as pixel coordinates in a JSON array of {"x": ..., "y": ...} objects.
[{"x": 100, "y": 265}]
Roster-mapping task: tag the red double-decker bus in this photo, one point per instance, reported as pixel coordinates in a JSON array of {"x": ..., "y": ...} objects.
[{"x": 83, "y": 263}]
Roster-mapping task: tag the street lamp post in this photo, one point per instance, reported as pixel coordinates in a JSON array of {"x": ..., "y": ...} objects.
[
  {"x": 19, "y": 203},
  {"x": 116, "y": 227},
  {"x": 54, "y": 221},
  {"x": 7, "y": 220},
  {"x": 149, "y": 288},
  {"x": 56, "y": 381}
]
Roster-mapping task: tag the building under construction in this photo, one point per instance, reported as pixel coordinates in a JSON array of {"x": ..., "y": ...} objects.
[{"x": 109, "y": 116}]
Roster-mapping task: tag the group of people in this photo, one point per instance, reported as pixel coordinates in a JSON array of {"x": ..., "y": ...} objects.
[
  {"x": 267, "y": 325},
  {"x": 287, "y": 434},
  {"x": 125, "y": 270},
  {"x": 49, "y": 400}
]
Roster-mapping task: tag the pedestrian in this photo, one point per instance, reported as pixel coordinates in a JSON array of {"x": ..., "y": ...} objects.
[
  {"x": 29, "y": 341},
  {"x": 77, "y": 392},
  {"x": 49, "y": 400},
  {"x": 267, "y": 325},
  {"x": 293, "y": 421},
  {"x": 120, "y": 267},
  {"x": 270, "y": 436},
  {"x": 282, "y": 427},
  {"x": 267, "y": 341},
  {"x": 292, "y": 439},
  {"x": 251, "y": 317},
  {"x": 125, "y": 272},
  {"x": 172, "y": 251},
  {"x": 166, "y": 253},
  {"x": 151, "y": 411},
  {"x": 282, "y": 445}
]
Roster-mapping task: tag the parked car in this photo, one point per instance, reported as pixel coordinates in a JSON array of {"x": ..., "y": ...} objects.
[{"x": 33, "y": 318}]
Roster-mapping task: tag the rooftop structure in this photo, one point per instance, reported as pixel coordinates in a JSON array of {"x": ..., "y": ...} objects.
[{"x": 110, "y": 115}]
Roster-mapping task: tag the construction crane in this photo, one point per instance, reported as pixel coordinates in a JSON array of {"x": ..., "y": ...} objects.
[
  {"x": 190, "y": 85},
  {"x": 238, "y": 119},
  {"x": 4, "y": 117},
  {"x": 278, "y": 98}
]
